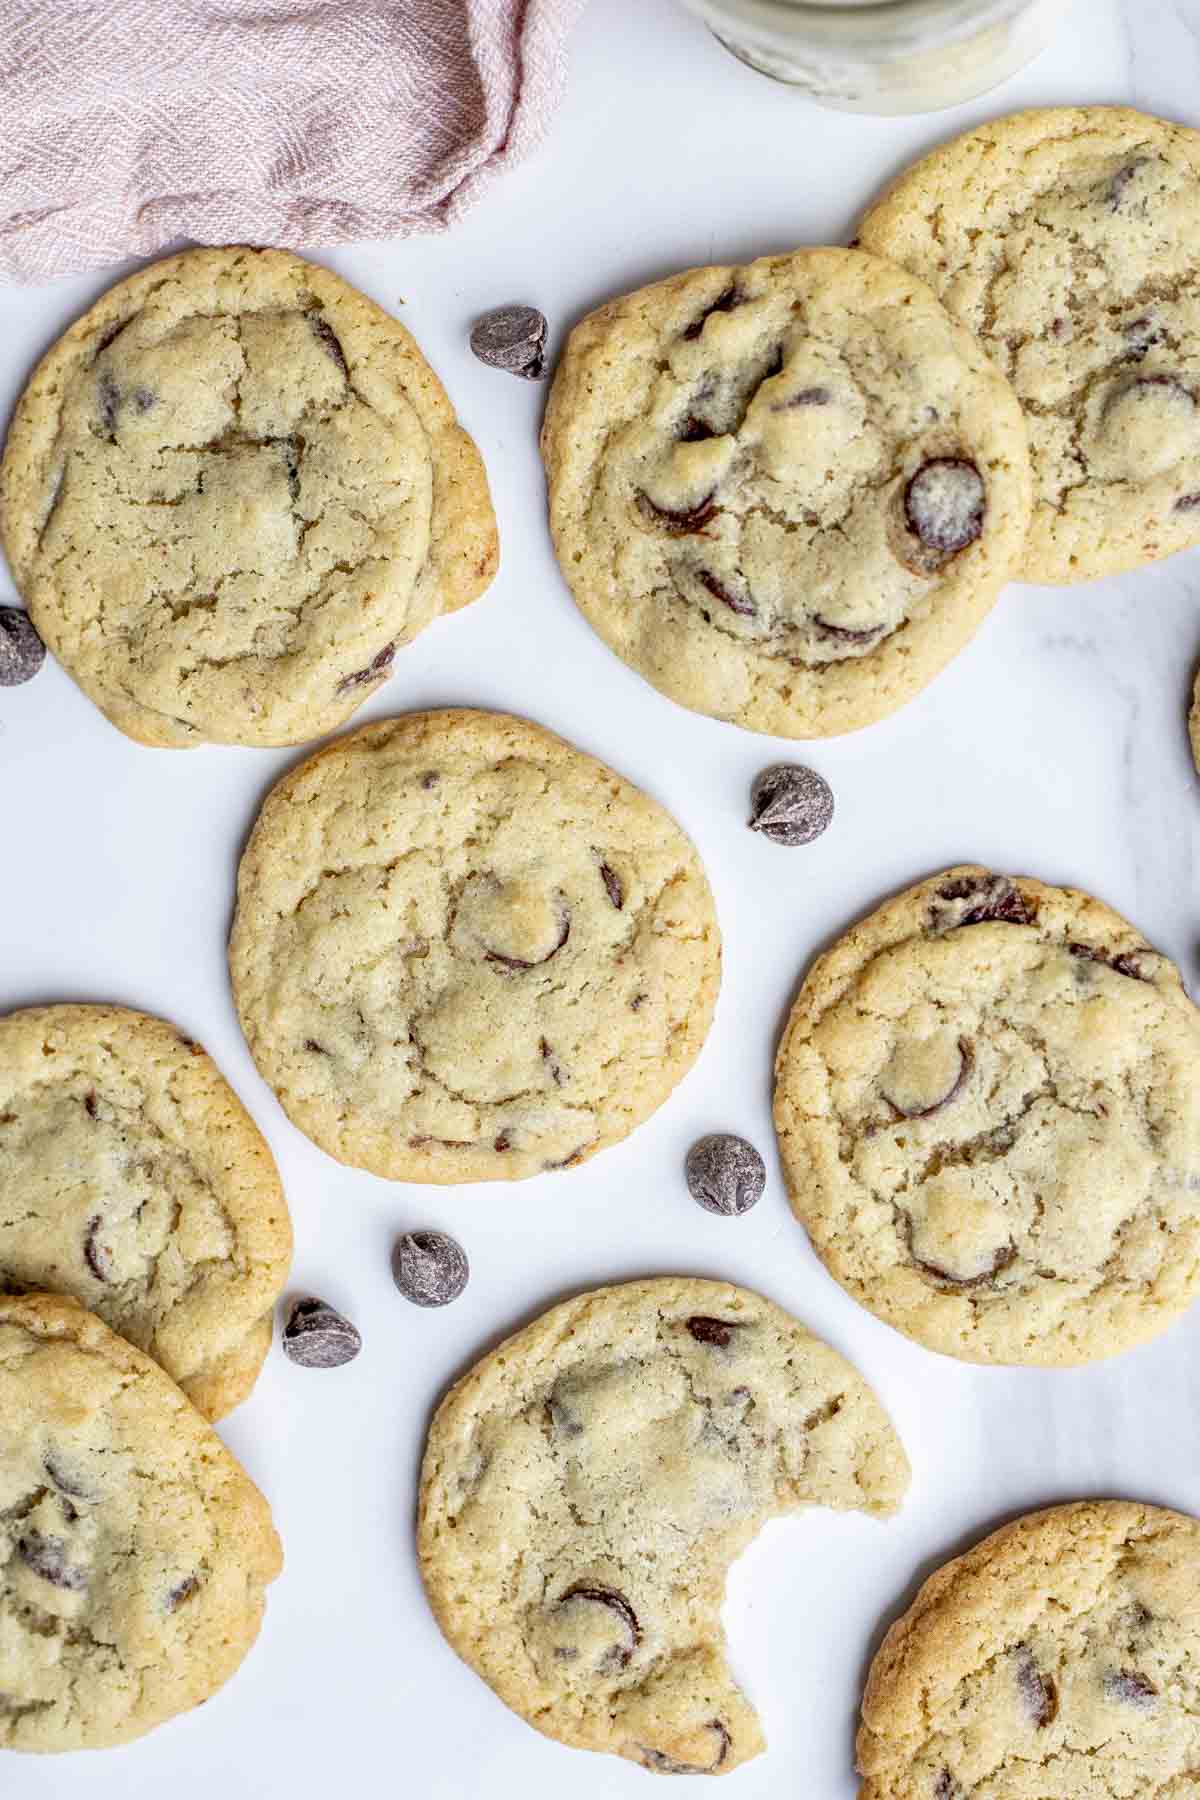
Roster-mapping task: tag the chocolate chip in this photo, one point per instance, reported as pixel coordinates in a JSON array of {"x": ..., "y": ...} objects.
[
  {"x": 679, "y": 524},
  {"x": 966, "y": 1060},
  {"x": 790, "y": 804},
  {"x": 737, "y": 603},
  {"x": 809, "y": 396},
  {"x": 329, "y": 342},
  {"x": 22, "y": 651},
  {"x": 1185, "y": 504},
  {"x": 517, "y": 962},
  {"x": 1124, "y": 964},
  {"x": 723, "y": 303},
  {"x": 429, "y": 1267},
  {"x": 553, "y": 1064},
  {"x": 143, "y": 399},
  {"x": 96, "y": 1255},
  {"x": 1131, "y": 1688},
  {"x": 563, "y": 1419},
  {"x": 989, "y": 899},
  {"x": 512, "y": 338},
  {"x": 667, "y": 1765},
  {"x": 375, "y": 670},
  {"x": 108, "y": 402},
  {"x": 616, "y": 1603},
  {"x": 1038, "y": 1691},
  {"x": 1122, "y": 179},
  {"x": 612, "y": 886},
  {"x": 318, "y": 1337},
  {"x": 946, "y": 1788},
  {"x": 47, "y": 1557},
  {"x": 725, "y": 1174},
  {"x": 1000, "y": 1261},
  {"x": 843, "y": 634},
  {"x": 89, "y": 1104},
  {"x": 501, "y": 1142},
  {"x": 713, "y": 1331},
  {"x": 944, "y": 505},
  {"x": 316, "y": 1049},
  {"x": 66, "y": 1484},
  {"x": 182, "y": 1591},
  {"x": 1141, "y": 335},
  {"x": 694, "y": 431},
  {"x": 1147, "y": 387},
  {"x": 430, "y": 779}
]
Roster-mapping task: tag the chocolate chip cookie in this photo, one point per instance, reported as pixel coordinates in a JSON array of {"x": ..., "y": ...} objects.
[
  {"x": 1066, "y": 238},
  {"x": 231, "y": 493},
  {"x": 1060, "y": 1657},
  {"x": 465, "y": 951},
  {"x": 786, "y": 494},
  {"x": 988, "y": 1106},
  {"x": 132, "y": 1178},
  {"x": 134, "y": 1550},
  {"x": 587, "y": 1485}
]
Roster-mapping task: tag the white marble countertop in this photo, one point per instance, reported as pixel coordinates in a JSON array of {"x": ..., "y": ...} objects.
[{"x": 1055, "y": 746}]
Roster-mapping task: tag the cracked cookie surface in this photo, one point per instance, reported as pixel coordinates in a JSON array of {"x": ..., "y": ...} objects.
[
  {"x": 231, "y": 493},
  {"x": 1066, "y": 238},
  {"x": 1060, "y": 1658},
  {"x": 465, "y": 951},
  {"x": 986, "y": 1101},
  {"x": 134, "y": 1550},
  {"x": 786, "y": 494},
  {"x": 132, "y": 1178},
  {"x": 587, "y": 1485}
]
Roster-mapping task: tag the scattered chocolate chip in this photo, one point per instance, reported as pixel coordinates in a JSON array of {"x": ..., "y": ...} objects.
[
  {"x": 429, "y": 1267},
  {"x": 612, "y": 886},
  {"x": 318, "y": 1337},
  {"x": 182, "y": 1591},
  {"x": 667, "y": 1765},
  {"x": 47, "y": 1557},
  {"x": 1038, "y": 1691},
  {"x": 790, "y": 804},
  {"x": 1122, "y": 179},
  {"x": 1131, "y": 1688},
  {"x": 944, "y": 505},
  {"x": 1124, "y": 964},
  {"x": 562, "y": 1416},
  {"x": 1145, "y": 387},
  {"x": 430, "y": 779},
  {"x": 723, "y": 303},
  {"x": 292, "y": 451},
  {"x": 946, "y": 1788},
  {"x": 376, "y": 669},
  {"x": 1185, "y": 504},
  {"x": 713, "y": 1331},
  {"x": 512, "y": 338},
  {"x": 89, "y": 1104},
  {"x": 965, "y": 1064},
  {"x": 737, "y": 603},
  {"x": 96, "y": 1255},
  {"x": 694, "y": 431},
  {"x": 552, "y": 1063},
  {"x": 809, "y": 396},
  {"x": 143, "y": 399},
  {"x": 691, "y": 519},
  {"x": 517, "y": 962},
  {"x": 316, "y": 1049},
  {"x": 616, "y": 1603},
  {"x": 638, "y": 1001},
  {"x": 843, "y": 634},
  {"x": 991, "y": 899},
  {"x": 567, "y": 1162},
  {"x": 22, "y": 651},
  {"x": 329, "y": 342},
  {"x": 501, "y": 1142},
  {"x": 725, "y": 1174}
]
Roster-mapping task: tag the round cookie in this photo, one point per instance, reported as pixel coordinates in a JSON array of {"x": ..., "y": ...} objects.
[
  {"x": 1058, "y": 1658},
  {"x": 231, "y": 493},
  {"x": 586, "y": 1487},
  {"x": 134, "y": 1550},
  {"x": 988, "y": 1107},
  {"x": 465, "y": 951},
  {"x": 132, "y": 1178},
  {"x": 785, "y": 494},
  {"x": 1066, "y": 238}
]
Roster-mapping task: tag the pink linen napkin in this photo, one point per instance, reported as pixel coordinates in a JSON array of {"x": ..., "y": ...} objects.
[{"x": 127, "y": 124}]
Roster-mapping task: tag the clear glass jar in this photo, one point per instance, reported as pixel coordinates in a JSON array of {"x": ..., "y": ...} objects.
[{"x": 884, "y": 56}]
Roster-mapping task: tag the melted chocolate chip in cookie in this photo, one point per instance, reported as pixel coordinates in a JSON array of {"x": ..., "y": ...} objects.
[
  {"x": 1038, "y": 1691},
  {"x": 47, "y": 1557},
  {"x": 944, "y": 505},
  {"x": 581, "y": 1594}
]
